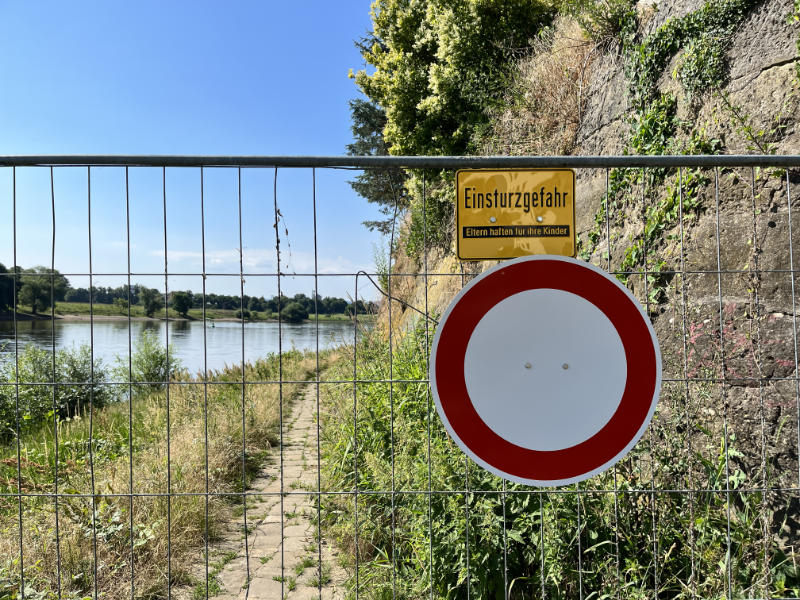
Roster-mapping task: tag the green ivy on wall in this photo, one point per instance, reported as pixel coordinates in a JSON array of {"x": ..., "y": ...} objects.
[{"x": 654, "y": 126}]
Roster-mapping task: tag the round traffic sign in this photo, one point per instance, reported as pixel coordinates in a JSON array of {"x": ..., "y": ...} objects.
[{"x": 545, "y": 370}]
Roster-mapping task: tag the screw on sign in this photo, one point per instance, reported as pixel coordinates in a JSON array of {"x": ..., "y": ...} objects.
[{"x": 545, "y": 370}]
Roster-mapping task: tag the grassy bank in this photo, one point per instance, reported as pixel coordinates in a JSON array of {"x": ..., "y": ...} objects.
[
  {"x": 543, "y": 542},
  {"x": 65, "y": 310},
  {"x": 167, "y": 433}
]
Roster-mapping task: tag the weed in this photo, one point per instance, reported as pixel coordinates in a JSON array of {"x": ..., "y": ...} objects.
[
  {"x": 214, "y": 587},
  {"x": 320, "y": 577},
  {"x": 702, "y": 66},
  {"x": 305, "y": 563},
  {"x": 704, "y": 35}
]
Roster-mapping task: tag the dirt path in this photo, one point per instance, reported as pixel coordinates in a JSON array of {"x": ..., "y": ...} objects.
[{"x": 288, "y": 570}]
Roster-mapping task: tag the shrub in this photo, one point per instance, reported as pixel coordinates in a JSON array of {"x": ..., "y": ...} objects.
[
  {"x": 294, "y": 312},
  {"x": 83, "y": 386},
  {"x": 181, "y": 302},
  {"x": 121, "y": 304},
  {"x": 152, "y": 364}
]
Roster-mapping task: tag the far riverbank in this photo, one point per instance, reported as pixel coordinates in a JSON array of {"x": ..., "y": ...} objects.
[{"x": 80, "y": 311}]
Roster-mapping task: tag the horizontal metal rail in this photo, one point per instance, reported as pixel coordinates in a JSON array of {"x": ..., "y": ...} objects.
[{"x": 411, "y": 162}]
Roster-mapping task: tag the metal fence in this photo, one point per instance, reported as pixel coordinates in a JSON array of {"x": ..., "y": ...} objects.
[{"x": 705, "y": 505}]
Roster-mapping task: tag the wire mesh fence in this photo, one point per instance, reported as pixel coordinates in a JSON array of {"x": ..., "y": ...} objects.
[{"x": 317, "y": 467}]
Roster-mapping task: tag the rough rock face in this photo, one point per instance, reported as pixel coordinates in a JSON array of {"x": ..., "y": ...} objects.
[{"x": 761, "y": 61}]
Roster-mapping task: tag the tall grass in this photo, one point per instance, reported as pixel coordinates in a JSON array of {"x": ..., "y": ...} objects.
[
  {"x": 630, "y": 532},
  {"x": 123, "y": 449}
]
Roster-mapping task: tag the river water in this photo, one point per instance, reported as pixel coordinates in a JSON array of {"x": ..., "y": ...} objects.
[{"x": 223, "y": 339}]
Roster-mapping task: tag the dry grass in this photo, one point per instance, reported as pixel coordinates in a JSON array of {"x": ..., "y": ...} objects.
[
  {"x": 545, "y": 105},
  {"x": 140, "y": 559}
]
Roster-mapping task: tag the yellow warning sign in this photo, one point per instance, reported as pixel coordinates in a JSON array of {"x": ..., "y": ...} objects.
[{"x": 514, "y": 212}]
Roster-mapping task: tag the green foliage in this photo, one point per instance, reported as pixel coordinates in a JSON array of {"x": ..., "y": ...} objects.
[
  {"x": 243, "y": 314},
  {"x": 702, "y": 66},
  {"x": 431, "y": 215},
  {"x": 151, "y": 300},
  {"x": 39, "y": 290},
  {"x": 121, "y": 305},
  {"x": 757, "y": 139},
  {"x": 294, "y": 312},
  {"x": 704, "y": 34},
  {"x": 534, "y": 534},
  {"x": 81, "y": 386},
  {"x": 6, "y": 288},
  {"x": 380, "y": 256},
  {"x": 439, "y": 64},
  {"x": 664, "y": 211},
  {"x": 181, "y": 302},
  {"x": 681, "y": 198},
  {"x": 152, "y": 364},
  {"x": 795, "y": 18},
  {"x": 602, "y": 20},
  {"x": 653, "y": 128},
  {"x": 384, "y": 187},
  {"x": 646, "y": 60}
]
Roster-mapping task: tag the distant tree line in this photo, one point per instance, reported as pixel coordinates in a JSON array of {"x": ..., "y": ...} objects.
[{"x": 38, "y": 286}]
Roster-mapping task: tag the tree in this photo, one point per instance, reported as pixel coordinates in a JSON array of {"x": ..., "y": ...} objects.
[
  {"x": 440, "y": 64},
  {"x": 41, "y": 287},
  {"x": 304, "y": 301},
  {"x": 151, "y": 300},
  {"x": 439, "y": 69},
  {"x": 294, "y": 312},
  {"x": 77, "y": 295},
  {"x": 383, "y": 187},
  {"x": 121, "y": 304},
  {"x": 181, "y": 302},
  {"x": 257, "y": 305},
  {"x": 357, "y": 307},
  {"x": 333, "y": 305},
  {"x": 6, "y": 288}
]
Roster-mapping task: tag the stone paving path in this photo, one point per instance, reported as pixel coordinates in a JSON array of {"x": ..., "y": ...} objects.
[{"x": 298, "y": 579}]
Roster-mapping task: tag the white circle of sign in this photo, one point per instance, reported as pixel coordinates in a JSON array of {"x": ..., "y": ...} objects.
[
  {"x": 535, "y": 407},
  {"x": 545, "y": 370}
]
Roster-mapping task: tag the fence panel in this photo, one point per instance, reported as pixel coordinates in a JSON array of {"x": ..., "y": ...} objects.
[{"x": 307, "y": 459}]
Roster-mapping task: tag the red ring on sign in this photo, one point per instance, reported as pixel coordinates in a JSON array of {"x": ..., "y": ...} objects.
[{"x": 637, "y": 397}]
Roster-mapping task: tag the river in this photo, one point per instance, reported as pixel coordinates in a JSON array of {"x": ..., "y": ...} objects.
[{"x": 223, "y": 338}]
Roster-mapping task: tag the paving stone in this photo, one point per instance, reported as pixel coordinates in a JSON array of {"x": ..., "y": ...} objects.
[{"x": 268, "y": 545}]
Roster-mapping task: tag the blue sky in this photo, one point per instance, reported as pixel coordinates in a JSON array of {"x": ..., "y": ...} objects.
[{"x": 245, "y": 78}]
